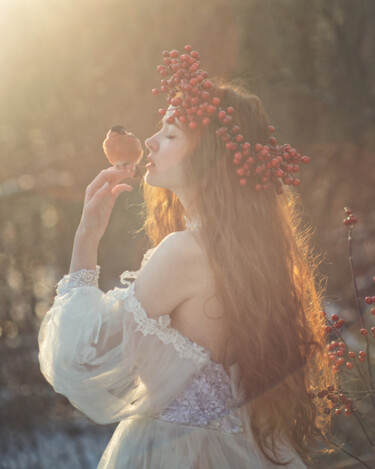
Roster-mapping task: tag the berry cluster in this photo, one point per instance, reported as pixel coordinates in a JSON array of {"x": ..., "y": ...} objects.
[
  {"x": 339, "y": 355},
  {"x": 350, "y": 218},
  {"x": 339, "y": 402},
  {"x": 338, "y": 352},
  {"x": 192, "y": 96}
]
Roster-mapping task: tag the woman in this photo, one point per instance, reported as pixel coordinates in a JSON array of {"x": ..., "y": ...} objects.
[{"x": 210, "y": 357}]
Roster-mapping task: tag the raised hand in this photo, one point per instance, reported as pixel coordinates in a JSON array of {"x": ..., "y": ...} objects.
[{"x": 100, "y": 197}]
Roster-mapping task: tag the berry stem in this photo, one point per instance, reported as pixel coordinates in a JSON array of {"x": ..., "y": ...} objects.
[
  {"x": 364, "y": 430},
  {"x": 351, "y": 263},
  {"x": 345, "y": 451}
]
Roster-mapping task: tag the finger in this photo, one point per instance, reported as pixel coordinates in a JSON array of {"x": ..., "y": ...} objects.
[
  {"x": 119, "y": 188},
  {"x": 110, "y": 175}
]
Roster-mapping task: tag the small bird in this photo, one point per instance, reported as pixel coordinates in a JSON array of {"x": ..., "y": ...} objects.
[{"x": 123, "y": 148}]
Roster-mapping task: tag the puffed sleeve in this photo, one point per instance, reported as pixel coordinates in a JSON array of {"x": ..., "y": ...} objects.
[{"x": 105, "y": 354}]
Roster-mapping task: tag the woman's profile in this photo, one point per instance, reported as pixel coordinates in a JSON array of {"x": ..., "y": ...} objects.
[{"x": 210, "y": 357}]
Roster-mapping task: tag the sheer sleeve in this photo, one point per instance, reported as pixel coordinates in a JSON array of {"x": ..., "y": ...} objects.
[{"x": 107, "y": 356}]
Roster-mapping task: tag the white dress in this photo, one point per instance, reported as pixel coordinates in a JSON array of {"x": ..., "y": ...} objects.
[{"x": 176, "y": 407}]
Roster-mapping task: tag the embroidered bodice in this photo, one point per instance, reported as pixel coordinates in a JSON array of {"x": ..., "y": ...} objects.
[{"x": 207, "y": 401}]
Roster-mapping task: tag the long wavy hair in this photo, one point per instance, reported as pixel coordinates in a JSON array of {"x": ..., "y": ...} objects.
[{"x": 265, "y": 278}]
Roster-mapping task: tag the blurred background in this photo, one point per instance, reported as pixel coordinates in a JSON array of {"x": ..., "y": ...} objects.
[{"x": 70, "y": 70}]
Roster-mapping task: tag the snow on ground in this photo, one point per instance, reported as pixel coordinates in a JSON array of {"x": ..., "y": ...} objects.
[{"x": 78, "y": 445}]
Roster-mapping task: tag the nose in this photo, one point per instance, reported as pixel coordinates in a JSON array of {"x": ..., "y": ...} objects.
[{"x": 151, "y": 143}]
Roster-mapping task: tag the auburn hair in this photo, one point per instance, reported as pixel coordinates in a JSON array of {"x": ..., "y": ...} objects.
[{"x": 265, "y": 276}]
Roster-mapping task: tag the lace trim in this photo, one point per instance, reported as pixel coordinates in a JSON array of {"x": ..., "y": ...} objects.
[
  {"x": 161, "y": 328},
  {"x": 192, "y": 225},
  {"x": 132, "y": 274},
  {"x": 81, "y": 278}
]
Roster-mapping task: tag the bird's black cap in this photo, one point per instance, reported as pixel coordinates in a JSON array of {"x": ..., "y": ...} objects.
[{"x": 120, "y": 129}]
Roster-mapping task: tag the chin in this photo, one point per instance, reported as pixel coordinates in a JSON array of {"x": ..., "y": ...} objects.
[{"x": 153, "y": 181}]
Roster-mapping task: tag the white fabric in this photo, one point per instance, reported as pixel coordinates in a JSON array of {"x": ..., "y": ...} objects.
[{"x": 116, "y": 364}]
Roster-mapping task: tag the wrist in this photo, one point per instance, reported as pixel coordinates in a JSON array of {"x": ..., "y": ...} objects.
[{"x": 87, "y": 236}]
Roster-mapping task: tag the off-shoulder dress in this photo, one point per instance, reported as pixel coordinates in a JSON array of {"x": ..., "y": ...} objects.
[{"x": 176, "y": 408}]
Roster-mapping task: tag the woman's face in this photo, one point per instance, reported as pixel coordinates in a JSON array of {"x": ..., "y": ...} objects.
[{"x": 168, "y": 148}]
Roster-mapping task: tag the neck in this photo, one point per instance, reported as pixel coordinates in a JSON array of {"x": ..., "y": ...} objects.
[{"x": 186, "y": 202}]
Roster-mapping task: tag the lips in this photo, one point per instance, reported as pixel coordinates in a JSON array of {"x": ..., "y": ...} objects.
[{"x": 149, "y": 160}]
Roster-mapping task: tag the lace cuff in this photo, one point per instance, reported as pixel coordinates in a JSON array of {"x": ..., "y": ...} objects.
[{"x": 82, "y": 278}]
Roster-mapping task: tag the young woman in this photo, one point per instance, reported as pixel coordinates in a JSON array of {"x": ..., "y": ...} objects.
[{"x": 210, "y": 357}]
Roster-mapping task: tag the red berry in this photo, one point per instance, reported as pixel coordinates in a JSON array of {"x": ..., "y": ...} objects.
[
  {"x": 174, "y": 53},
  {"x": 230, "y": 110},
  {"x": 258, "y": 147},
  {"x": 339, "y": 323},
  {"x": 305, "y": 159},
  {"x": 364, "y": 331},
  {"x": 206, "y": 121},
  {"x": 221, "y": 115},
  {"x": 349, "y": 365},
  {"x": 373, "y": 330},
  {"x": 188, "y": 48},
  {"x": 373, "y": 311},
  {"x": 328, "y": 329},
  {"x": 340, "y": 353},
  {"x": 334, "y": 317},
  {"x": 246, "y": 146},
  {"x": 362, "y": 359},
  {"x": 373, "y": 299},
  {"x": 271, "y": 129},
  {"x": 368, "y": 300},
  {"x": 207, "y": 84},
  {"x": 192, "y": 125},
  {"x": 338, "y": 412},
  {"x": 162, "y": 112},
  {"x": 155, "y": 91},
  {"x": 351, "y": 354},
  {"x": 170, "y": 120},
  {"x": 216, "y": 101},
  {"x": 347, "y": 411},
  {"x": 243, "y": 181}
]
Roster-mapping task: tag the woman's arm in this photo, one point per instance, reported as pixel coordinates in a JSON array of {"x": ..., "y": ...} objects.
[
  {"x": 100, "y": 197},
  {"x": 85, "y": 252}
]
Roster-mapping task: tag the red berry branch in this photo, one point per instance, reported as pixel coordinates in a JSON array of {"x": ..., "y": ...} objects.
[{"x": 352, "y": 367}]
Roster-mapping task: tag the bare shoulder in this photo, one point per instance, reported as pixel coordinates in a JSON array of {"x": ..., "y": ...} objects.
[
  {"x": 169, "y": 277},
  {"x": 183, "y": 243}
]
